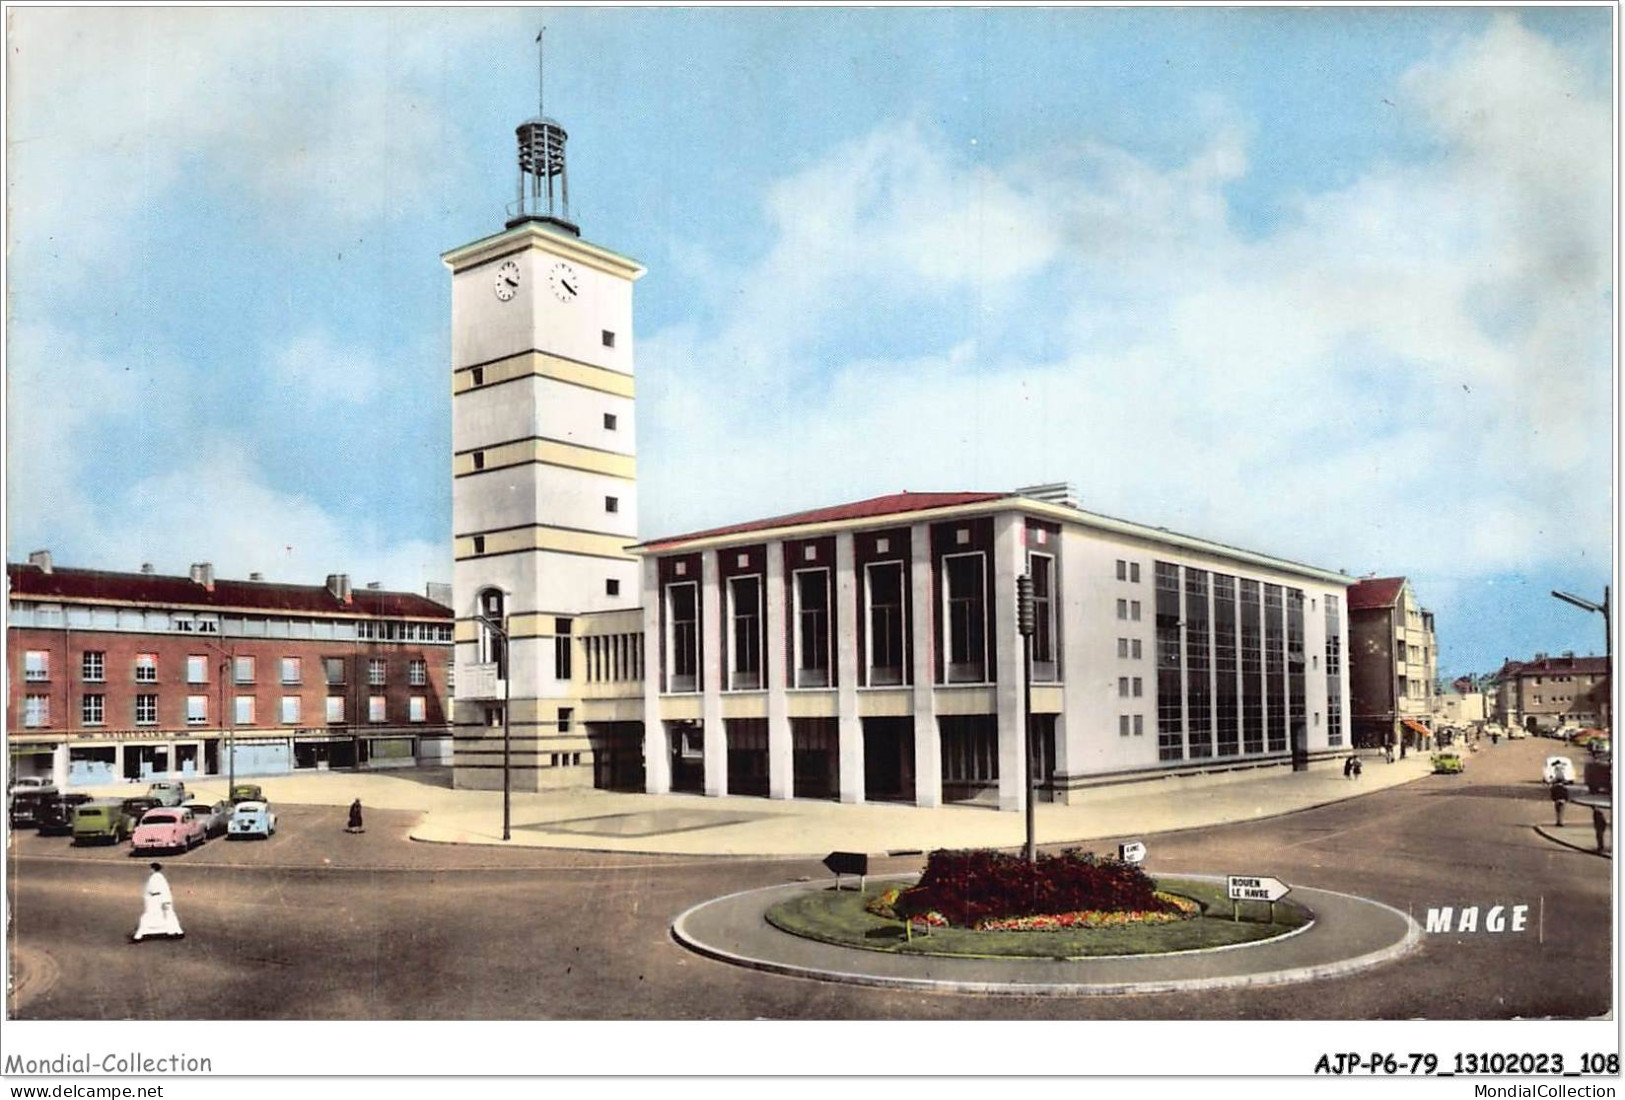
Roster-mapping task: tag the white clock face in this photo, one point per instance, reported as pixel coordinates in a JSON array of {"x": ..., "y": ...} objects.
[
  {"x": 507, "y": 281},
  {"x": 565, "y": 281}
]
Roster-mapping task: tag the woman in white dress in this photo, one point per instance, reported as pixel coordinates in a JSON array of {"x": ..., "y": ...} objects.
[{"x": 157, "y": 909}]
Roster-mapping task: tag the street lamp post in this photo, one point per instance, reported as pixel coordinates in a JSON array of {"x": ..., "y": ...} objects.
[
  {"x": 505, "y": 666},
  {"x": 1026, "y": 623},
  {"x": 1604, "y": 610}
]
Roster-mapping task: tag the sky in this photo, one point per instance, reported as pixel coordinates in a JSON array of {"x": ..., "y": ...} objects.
[{"x": 1332, "y": 284}]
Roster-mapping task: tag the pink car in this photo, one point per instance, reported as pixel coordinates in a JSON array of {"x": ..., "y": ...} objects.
[{"x": 171, "y": 828}]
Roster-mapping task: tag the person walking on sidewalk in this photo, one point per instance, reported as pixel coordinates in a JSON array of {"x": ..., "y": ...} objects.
[
  {"x": 1599, "y": 822},
  {"x": 1348, "y": 768},
  {"x": 355, "y": 818}
]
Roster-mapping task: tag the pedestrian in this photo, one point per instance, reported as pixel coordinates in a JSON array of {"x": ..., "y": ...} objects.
[
  {"x": 1560, "y": 798},
  {"x": 1600, "y": 824},
  {"x": 1348, "y": 768},
  {"x": 157, "y": 909},
  {"x": 1357, "y": 767},
  {"x": 355, "y": 818},
  {"x": 1388, "y": 750}
]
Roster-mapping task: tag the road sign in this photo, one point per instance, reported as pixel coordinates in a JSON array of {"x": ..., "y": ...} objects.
[
  {"x": 847, "y": 863},
  {"x": 1132, "y": 852},
  {"x": 1255, "y": 888}
]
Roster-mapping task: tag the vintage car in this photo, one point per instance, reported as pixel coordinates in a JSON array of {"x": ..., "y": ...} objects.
[
  {"x": 28, "y": 803},
  {"x": 29, "y": 782},
  {"x": 1559, "y": 769},
  {"x": 56, "y": 817},
  {"x": 215, "y": 816},
  {"x": 167, "y": 829},
  {"x": 251, "y": 819},
  {"x": 247, "y": 792},
  {"x": 168, "y": 792},
  {"x": 96, "y": 821},
  {"x": 136, "y": 807},
  {"x": 1600, "y": 775},
  {"x": 1448, "y": 762}
]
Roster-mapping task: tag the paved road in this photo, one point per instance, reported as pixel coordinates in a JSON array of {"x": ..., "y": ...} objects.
[{"x": 315, "y": 924}]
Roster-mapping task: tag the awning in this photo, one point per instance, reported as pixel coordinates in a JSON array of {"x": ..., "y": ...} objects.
[{"x": 1417, "y": 727}]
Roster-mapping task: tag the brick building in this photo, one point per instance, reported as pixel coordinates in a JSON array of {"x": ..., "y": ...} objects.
[{"x": 138, "y": 675}]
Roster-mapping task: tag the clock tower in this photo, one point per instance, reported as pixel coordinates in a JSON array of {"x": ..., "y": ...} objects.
[{"x": 544, "y": 474}]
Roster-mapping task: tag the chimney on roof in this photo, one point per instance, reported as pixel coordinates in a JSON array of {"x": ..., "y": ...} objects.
[
  {"x": 439, "y": 593},
  {"x": 256, "y": 576},
  {"x": 1540, "y": 656},
  {"x": 339, "y": 585},
  {"x": 146, "y": 569},
  {"x": 1052, "y": 492},
  {"x": 375, "y": 586},
  {"x": 42, "y": 559},
  {"x": 203, "y": 573}
]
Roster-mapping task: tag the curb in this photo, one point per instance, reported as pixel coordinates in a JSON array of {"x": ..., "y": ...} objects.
[
  {"x": 1408, "y": 943},
  {"x": 1541, "y": 830}
]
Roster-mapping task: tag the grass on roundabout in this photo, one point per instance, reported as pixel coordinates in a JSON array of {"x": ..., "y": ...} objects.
[{"x": 839, "y": 917}]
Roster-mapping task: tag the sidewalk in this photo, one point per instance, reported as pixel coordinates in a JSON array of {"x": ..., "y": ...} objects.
[{"x": 686, "y": 824}]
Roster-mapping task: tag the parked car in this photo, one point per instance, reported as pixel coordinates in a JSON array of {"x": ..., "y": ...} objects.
[
  {"x": 167, "y": 829},
  {"x": 1516, "y": 733},
  {"x": 28, "y": 803},
  {"x": 136, "y": 807},
  {"x": 29, "y": 782},
  {"x": 1559, "y": 769},
  {"x": 1600, "y": 775},
  {"x": 168, "y": 792},
  {"x": 215, "y": 816},
  {"x": 1448, "y": 762},
  {"x": 251, "y": 819},
  {"x": 96, "y": 821},
  {"x": 56, "y": 818},
  {"x": 247, "y": 792}
]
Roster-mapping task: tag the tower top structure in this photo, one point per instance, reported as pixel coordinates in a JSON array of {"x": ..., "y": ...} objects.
[{"x": 544, "y": 180}]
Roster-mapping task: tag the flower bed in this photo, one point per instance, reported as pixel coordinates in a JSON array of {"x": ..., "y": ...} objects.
[
  {"x": 979, "y": 888},
  {"x": 1182, "y": 909}
]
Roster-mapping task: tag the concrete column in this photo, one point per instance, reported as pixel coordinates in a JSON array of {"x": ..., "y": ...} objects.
[
  {"x": 656, "y": 745},
  {"x": 1072, "y": 752},
  {"x": 922, "y": 647},
  {"x": 711, "y": 647},
  {"x": 848, "y": 618},
  {"x": 780, "y": 750},
  {"x": 1009, "y": 561},
  {"x": 59, "y": 766}
]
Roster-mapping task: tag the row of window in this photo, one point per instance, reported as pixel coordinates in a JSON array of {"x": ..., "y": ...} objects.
[
  {"x": 1128, "y": 571},
  {"x": 140, "y": 620},
  {"x": 1129, "y": 648},
  {"x": 93, "y": 669},
  {"x": 93, "y": 710},
  {"x": 886, "y": 640}
]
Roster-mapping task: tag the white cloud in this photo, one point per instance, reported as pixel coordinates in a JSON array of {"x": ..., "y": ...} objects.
[
  {"x": 315, "y": 366},
  {"x": 1417, "y": 362}
]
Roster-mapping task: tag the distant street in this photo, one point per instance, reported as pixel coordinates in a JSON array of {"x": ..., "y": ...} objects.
[{"x": 316, "y": 924}]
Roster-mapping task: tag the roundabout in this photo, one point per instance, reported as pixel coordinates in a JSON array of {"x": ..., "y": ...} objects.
[{"x": 1340, "y": 934}]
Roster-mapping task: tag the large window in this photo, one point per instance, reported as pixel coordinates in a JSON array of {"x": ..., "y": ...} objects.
[
  {"x": 36, "y": 711},
  {"x": 377, "y": 670},
  {"x": 1170, "y": 697},
  {"x": 1226, "y": 722},
  {"x": 682, "y": 637},
  {"x": 290, "y": 710},
  {"x": 1275, "y": 668},
  {"x": 197, "y": 669},
  {"x": 197, "y": 710},
  {"x": 965, "y": 593},
  {"x": 812, "y": 627},
  {"x": 243, "y": 670},
  {"x": 243, "y": 715},
  {"x": 91, "y": 709},
  {"x": 333, "y": 670},
  {"x": 887, "y": 641},
  {"x": 491, "y": 648},
  {"x": 36, "y": 665},
  {"x": 745, "y": 633},
  {"x": 1198, "y": 682},
  {"x": 1334, "y": 672},
  {"x": 146, "y": 710},
  {"x": 562, "y": 646},
  {"x": 417, "y": 709},
  {"x": 1297, "y": 713},
  {"x": 417, "y": 672},
  {"x": 335, "y": 710},
  {"x": 292, "y": 670},
  {"x": 1252, "y": 669},
  {"x": 93, "y": 666},
  {"x": 146, "y": 668},
  {"x": 1041, "y": 567},
  {"x": 375, "y": 708}
]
